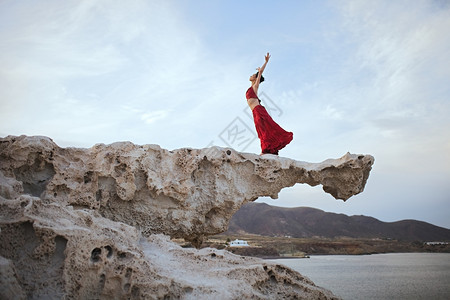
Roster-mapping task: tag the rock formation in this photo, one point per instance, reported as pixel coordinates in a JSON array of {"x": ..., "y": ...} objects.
[{"x": 95, "y": 223}]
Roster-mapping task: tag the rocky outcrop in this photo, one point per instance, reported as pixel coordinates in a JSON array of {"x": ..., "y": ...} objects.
[
  {"x": 51, "y": 251},
  {"x": 95, "y": 223},
  {"x": 185, "y": 193}
]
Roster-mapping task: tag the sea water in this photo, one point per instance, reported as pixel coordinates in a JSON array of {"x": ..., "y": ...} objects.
[{"x": 378, "y": 276}]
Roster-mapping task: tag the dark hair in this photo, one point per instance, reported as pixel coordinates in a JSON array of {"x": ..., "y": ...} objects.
[{"x": 261, "y": 79}]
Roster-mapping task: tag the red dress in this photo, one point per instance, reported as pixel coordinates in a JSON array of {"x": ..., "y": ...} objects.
[{"x": 272, "y": 136}]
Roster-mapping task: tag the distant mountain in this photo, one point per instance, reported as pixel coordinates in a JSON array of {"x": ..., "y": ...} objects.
[{"x": 263, "y": 219}]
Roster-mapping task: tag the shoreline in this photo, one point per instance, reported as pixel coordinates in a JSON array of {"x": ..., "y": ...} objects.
[
  {"x": 286, "y": 248},
  {"x": 355, "y": 255}
]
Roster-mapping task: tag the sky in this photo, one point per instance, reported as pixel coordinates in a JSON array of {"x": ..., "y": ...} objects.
[{"x": 365, "y": 77}]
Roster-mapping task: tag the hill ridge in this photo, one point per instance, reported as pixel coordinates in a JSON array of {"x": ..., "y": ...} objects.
[{"x": 306, "y": 222}]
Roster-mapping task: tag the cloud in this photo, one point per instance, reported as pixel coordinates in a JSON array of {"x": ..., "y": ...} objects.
[
  {"x": 358, "y": 76},
  {"x": 381, "y": 89},
  {"x": 82, "y": 59},
  {"x": 401, "y": 50},
  {"x": 154, "y": 116},
  {"x": 390, "y": 65}
]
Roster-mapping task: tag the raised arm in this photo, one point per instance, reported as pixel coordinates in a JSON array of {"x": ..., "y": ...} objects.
[{"x": 260, "y": 71}]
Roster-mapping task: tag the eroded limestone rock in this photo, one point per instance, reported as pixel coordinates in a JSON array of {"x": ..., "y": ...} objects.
[
  {"x": 95, "y": 223},
  {"x": 185, "y": 193},
  {"x": 53, "y": 251}
]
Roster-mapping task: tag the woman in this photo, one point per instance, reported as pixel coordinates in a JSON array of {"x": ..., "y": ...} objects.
[{"x": 273, "y": 137}]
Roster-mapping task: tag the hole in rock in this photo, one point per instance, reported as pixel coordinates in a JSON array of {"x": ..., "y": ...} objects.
[
  {"x": 88, "y": 177},
  {"x": 102, "y": 281},
  {"x": 98, "y": 195},
  {"x": 95, "y": 254},
  {"x": 110, "y": 251},
  {"x": 135, "y": 292},
  {"x": 213, "y": 255},
  {"x": 128, "y": 272},
  {"x": 228, "y": 152},
  {"x": 35, "y": 177},
  {"x": 61, "y": 244}
]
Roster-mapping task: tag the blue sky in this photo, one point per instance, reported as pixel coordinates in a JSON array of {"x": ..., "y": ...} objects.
[{"x": 366, "y": 77}]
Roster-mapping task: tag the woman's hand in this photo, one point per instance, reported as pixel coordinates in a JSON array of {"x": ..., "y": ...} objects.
[{"x": 260, "y": 70}]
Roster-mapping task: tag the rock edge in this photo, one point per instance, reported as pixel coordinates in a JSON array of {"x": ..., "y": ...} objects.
[{"x": 95, "y": 223}]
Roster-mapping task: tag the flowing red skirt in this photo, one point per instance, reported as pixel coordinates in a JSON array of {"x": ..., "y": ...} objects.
[{"x": 272, "y": 136}]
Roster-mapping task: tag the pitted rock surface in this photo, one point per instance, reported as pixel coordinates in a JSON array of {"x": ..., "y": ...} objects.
[
  {"x": 86, "y": 223},
  {"x": 185, "y": 193}
]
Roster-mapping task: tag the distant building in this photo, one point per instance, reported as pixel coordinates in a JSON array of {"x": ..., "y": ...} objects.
[
  {"x": 436, "y": 243},
  {"x": 238, "y": 243}
]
